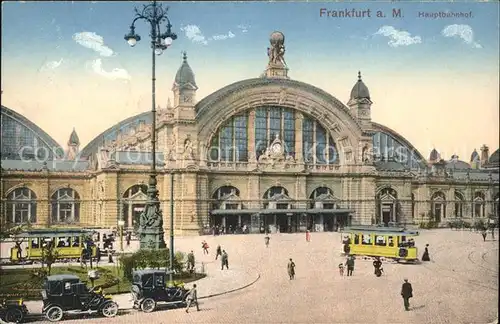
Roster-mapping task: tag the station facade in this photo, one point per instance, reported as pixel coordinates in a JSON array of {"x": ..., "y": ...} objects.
[{"x": 264, "y": 153}]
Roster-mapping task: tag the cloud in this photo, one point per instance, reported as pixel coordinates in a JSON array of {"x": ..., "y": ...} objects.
[
  {"x": 194, "y": 34},
  {"x": 223, "y": 36},
  {"x": 461, "y": 31},
  {"x": 398, "y": 37},
  {"x": 244, "y": 28},
  {"x": 51, "y": 65},
  {"x": 93, "y": 41},
  {"x": 115, "y": 74}
]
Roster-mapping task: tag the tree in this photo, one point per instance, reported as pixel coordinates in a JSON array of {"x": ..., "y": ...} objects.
[
  {"x": 49, "y": 255},
  {"x": 9, "y": 231}
]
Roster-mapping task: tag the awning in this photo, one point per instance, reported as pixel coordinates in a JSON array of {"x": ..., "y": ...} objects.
[{"x": 280, "y": 211}]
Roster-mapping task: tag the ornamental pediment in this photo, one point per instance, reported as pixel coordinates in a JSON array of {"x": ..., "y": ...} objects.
[
  {"x": 280, "y": 197},
  {"x": 230, "y": 197},
  {"x": 326, "y": 197}
]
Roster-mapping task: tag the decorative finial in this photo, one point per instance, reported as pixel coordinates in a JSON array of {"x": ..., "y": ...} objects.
[
  {"x": 359, "y": 75},
  {"x": 184, "y": 57}
]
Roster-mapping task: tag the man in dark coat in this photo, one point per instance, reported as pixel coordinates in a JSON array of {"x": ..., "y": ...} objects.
[
  {"x": 218, "y": 252},
  {"x": 224, "y": 260},
  {"x": 406, "y": 293},
  {"x": 350, "y": 265},
  {"x": 291, "y": 269}
]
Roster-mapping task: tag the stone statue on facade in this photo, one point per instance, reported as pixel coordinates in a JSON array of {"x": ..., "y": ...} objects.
[
  {"x": 365, "y": 156},
  {"x": 188, "y": 149},
  {"x": 171, "y": 153}
]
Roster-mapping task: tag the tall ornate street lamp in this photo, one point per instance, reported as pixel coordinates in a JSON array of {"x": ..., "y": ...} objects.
[{"x": 151, "y": 222}]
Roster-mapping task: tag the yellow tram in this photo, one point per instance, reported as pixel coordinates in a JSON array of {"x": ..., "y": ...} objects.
[
  {"x": 67, "y": 242},
  {"x": 387, "y": 242}
]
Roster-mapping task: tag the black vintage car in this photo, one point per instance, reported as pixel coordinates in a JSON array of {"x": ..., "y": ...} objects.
[
  {"x": 66, "y": 294},
  {"x": 149, "y": 287},
  {"x": 13, "y": 311}
]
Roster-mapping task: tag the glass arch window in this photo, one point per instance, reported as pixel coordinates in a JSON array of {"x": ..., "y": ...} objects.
[
  {"x": 387, "y": 148},
  {"x": 65, "y": 206},
  {"x": 21, "y": 206},
  {"x": 221, "y": 193},
  {"x": 134, "y": 201},
  {"x": 231, "y": 143}
]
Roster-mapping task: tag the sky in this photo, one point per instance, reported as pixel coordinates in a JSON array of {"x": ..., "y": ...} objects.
[{"x": 433, "y": 78}]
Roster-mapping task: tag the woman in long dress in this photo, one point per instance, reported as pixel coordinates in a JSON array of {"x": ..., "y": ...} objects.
[{"x": 425, "y": 256}]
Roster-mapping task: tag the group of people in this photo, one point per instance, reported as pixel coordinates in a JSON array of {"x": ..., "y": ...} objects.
[{"x": 221, "y": 230}]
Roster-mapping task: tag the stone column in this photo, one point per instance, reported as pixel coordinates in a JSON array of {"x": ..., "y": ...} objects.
[
  {"x": 252, "y": 154},
  {"x": 299, "y": 148},
  {"x": 110, "y": 206}
]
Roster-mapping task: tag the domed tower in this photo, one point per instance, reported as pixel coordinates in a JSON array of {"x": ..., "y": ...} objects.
[
  {"x": 73, "y": 146},
  {"x": 184, "y": 89},
  {"x": 475, "y": 160},
  {"x": 434, "y": 156},
  {"x": 360, "y": 103}
]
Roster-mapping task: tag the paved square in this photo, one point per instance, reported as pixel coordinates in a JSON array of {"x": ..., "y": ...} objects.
[{"x": 459, "y": 285}]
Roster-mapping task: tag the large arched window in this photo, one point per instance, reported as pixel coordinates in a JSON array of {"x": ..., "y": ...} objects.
[
  {"x": 438, "y": 206},
  {"x": 479, "y": 204},
  {"x": 21, "y": 206},
  {"x": 459, "y": 204},
  {"x": 222, "y": 196},
  {"x": 323, "y": 198},
  {"x": 134, "y": 201},
  {"x": 231, "y": 143},
  {"x": 65, "y": 206},
  {"x": 277, "y": 198},
  {"x": 387, "y": 148}
]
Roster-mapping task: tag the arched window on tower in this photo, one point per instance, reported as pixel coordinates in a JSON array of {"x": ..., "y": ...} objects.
[
  {"x": 65, "y": 206},
  {"x": 21, "y": 206}
]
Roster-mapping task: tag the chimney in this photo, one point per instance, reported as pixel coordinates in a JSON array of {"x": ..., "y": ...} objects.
[{"x": 485, "y": 154}]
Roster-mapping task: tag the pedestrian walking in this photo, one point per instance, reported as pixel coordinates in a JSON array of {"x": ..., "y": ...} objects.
[
  {"x": 97, "y": 255},
  {"x": 128, "y": 238},
  {"x": 191, "y": 261},
  {"x": 204, "y": 246},
  {"x": 218, "y": 252},
  {"x": 425, "y": 256},
  {"x": 341, "y": 269},
  {"x": 291, "y": 269},
  {"x": 483, "y": 233},
  {"x": 266, "y": 240},
  {"x": 350, "y": 266},
  {"x": 406, "y": 293},
  {"x": 83, "y": 258},
  {"x": 110, "y": 256},
  {"x": 224, "y": 260},
  {"x": 192, "y": 298},
  {"x": 308, "y": 236}
]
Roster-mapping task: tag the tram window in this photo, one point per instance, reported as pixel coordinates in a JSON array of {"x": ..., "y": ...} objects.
[
  {"x": 391, "y": 241},
  {"x": 61, "y": 242},
  {"x": 356, "y": 239},
  {"x": 159, "y": 281},
  {"x": 367, "y": 239},
  {"x": 380, "y": 240},
  {"x": 34, "y": 243},
  {"x": 67, "y": 286},
  {"x": 76, "y": 241}
]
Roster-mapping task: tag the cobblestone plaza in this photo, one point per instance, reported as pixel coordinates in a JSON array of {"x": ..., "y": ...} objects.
[{"x": 459, "y": 285}]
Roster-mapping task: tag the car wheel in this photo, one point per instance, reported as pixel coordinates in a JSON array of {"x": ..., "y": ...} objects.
[
  {"x": 148, "y": 305},
  {"x": 54, "y": 313},
  {"x": 14, "y": 315},
  {"x": 110, "y": 309}
]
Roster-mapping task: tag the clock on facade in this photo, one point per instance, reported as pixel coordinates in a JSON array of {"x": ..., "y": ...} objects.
[
  {"x": 187, "y": 99},
  {"x": 276, "y": 148}
]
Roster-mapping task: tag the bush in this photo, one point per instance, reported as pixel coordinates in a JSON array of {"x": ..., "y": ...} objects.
[{"x": 153, "y": 259}]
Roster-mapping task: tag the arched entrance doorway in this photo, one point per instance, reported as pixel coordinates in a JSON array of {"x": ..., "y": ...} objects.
[
  {"x": 438, "y": 210},
  {"x": 226, "y": 211},
  {"x": 277, "y": 217},
  {"x": 133, "y": 202},
  {"x": 387, "y": 207}
]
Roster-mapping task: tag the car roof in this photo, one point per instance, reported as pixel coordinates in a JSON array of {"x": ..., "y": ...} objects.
[
  {"x": 63, "y": 277},
  {"x": 149, "y": 271},
  {"x": 394, "y": 231}
]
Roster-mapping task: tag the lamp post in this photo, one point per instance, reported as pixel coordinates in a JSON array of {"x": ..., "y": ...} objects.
[{"x": 151, "y": 224}]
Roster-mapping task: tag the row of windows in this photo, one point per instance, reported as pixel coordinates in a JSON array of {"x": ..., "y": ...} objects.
[
  {"x": 387, "y": 148},
  {"x": 231, "y": 141}
]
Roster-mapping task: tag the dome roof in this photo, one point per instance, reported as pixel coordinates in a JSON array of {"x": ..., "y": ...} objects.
[
  {"x": 434, "y": 156},
  {"x": 360, "y": 90},
  {"x": 73, "y": 138},
  {"x": 495, "y": 157},
  {"x": 474, "y": 157},
  {"x": 36, "y": 140},
  {"x": 185, "y": 74}
]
